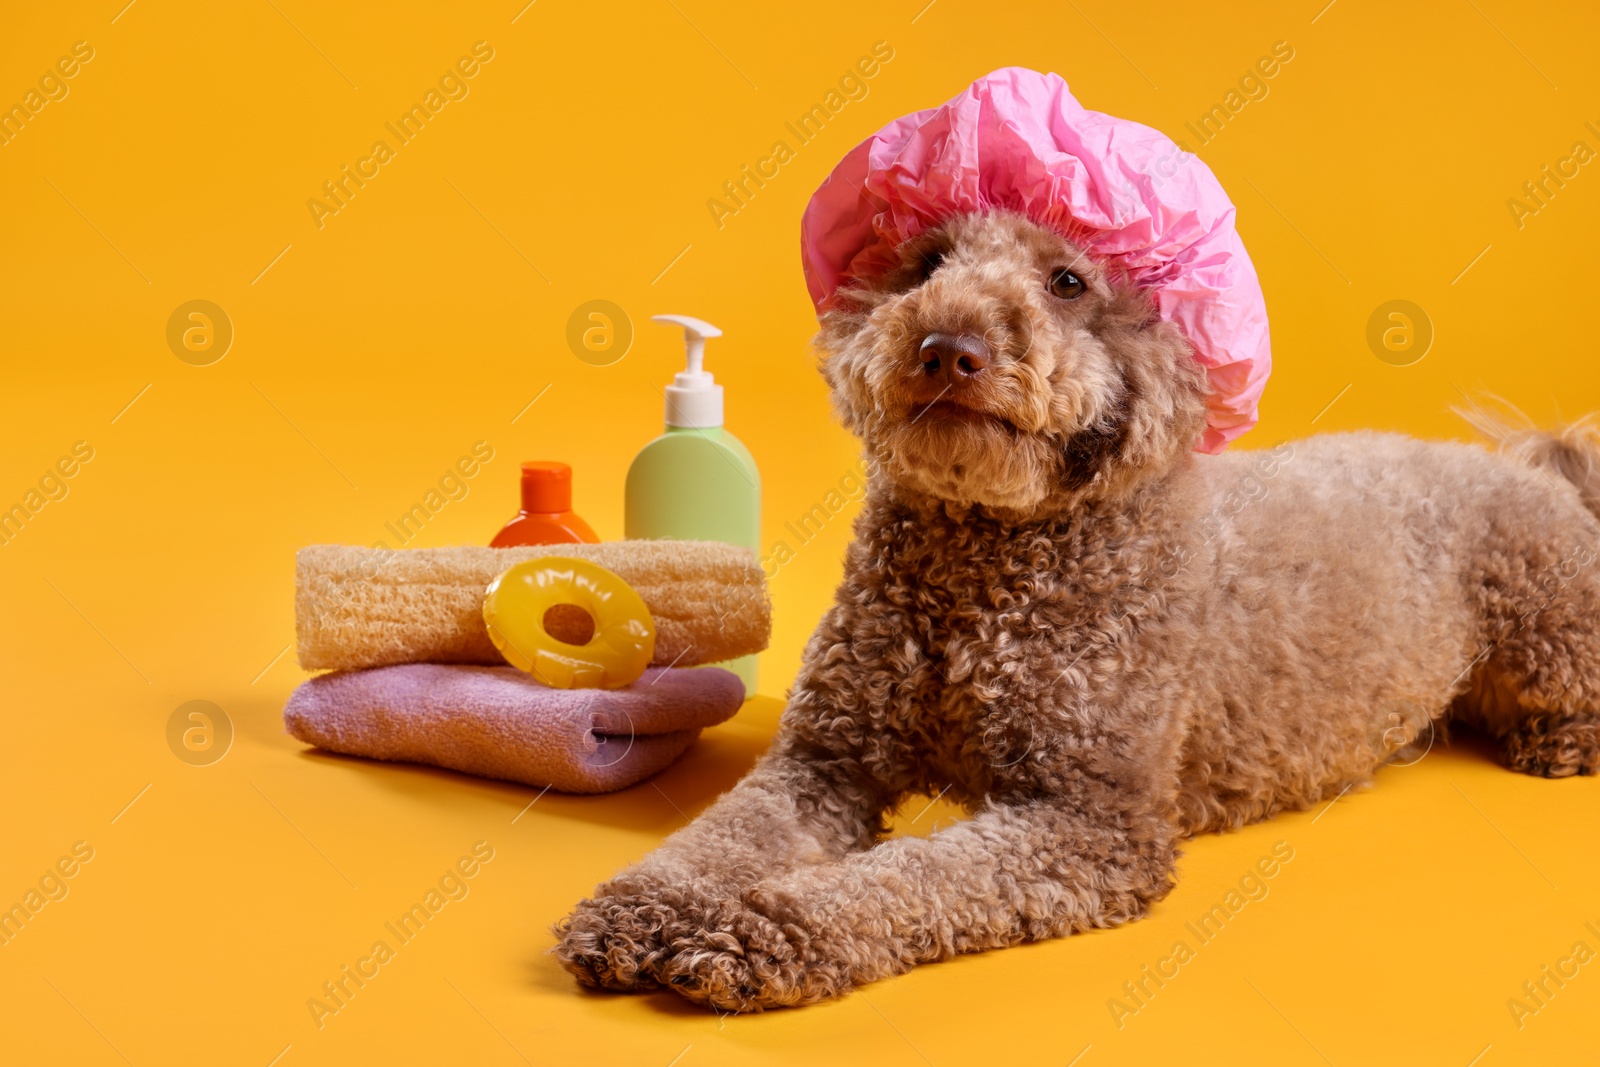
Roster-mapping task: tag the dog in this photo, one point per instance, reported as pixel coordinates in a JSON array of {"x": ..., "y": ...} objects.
[{"x": 1096, "y": 639}]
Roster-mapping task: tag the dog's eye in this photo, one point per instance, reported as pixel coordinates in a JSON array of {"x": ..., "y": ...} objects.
[
  {"x": 1067, "y": 285},
  {"x": 931, "y": 261}
]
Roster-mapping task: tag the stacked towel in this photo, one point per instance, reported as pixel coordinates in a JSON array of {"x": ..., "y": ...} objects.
[
  {"x": 500, "y": 723},
  {"x": 362, "y": 607}
]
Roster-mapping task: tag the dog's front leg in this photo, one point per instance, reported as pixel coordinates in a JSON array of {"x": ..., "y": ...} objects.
[
  {"x": 794, "y": 808},
  {"x": 1013, "y": 873}
]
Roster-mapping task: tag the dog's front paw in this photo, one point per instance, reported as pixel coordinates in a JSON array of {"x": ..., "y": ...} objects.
[
  {"x": 1554, "y": 747},
  {"x": 740, "y": 960},
  {"x": 617, "y": 942}
]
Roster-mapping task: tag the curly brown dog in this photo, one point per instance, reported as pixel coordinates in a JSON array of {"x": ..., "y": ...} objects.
[{"x": 1097, "y": 640}]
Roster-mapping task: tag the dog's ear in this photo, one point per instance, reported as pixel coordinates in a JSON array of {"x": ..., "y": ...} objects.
[
  {"x": 1157, "y": 414},
  {"x": 839, "y": 361}
]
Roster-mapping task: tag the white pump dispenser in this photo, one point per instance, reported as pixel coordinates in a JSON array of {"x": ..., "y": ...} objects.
[
  {"x": 696, "y": 481},
  {"x": 694, "y": 399}
]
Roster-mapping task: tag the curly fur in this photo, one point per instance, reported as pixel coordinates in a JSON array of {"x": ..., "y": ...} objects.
[{"x": 1097, "y": 640}]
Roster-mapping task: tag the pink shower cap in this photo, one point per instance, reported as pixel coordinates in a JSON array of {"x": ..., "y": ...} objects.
[{"x": 1017, "y": 139}]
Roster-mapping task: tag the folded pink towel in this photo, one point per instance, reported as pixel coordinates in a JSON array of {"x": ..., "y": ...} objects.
[{"x": 500, "y": 723}]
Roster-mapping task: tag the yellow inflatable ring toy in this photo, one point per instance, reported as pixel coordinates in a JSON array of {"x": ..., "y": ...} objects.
[{"x": 517, "y": 606}]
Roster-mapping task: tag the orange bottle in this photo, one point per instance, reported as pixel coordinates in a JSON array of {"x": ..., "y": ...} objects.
[{"x": 546, "y": 517}]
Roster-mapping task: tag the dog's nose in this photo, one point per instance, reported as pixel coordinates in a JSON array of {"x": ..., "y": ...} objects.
[{"x": 954, "y": 357}]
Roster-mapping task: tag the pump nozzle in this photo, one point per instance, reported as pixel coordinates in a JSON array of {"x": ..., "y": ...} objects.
[{"x": 694, "y": 400}]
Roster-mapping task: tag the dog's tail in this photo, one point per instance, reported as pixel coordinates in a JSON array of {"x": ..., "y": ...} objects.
[{"x": 1572, "y": 451}]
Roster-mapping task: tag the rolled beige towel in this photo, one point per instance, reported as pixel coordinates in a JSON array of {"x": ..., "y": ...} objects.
[{"x": 366, "y": 607}]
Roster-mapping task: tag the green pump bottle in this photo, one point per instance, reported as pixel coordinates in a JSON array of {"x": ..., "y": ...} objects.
[{"x": 696, "y": 482}]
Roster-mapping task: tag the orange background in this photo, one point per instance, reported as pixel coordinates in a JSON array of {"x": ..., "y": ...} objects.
[{"x": 372, "y": 352}]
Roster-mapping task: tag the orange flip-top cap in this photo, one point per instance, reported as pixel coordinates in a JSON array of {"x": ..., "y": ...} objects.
[{"x": 546, "y": 487}]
